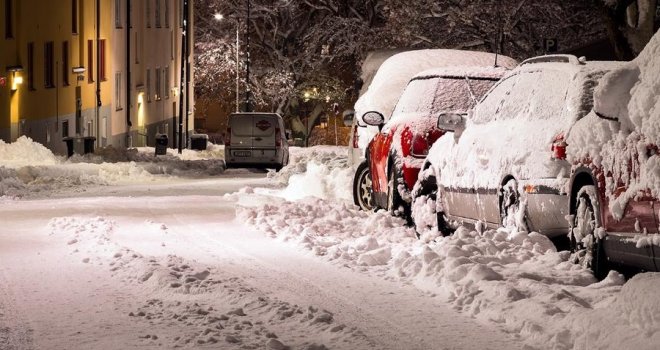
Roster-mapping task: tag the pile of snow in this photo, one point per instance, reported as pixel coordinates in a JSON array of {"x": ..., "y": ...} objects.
[
  {"x": 29, "y": 169},
  {"x": 514, "y": 279},
  {"x": 319, "y": 171},
  {"x": 25, "y": 152}
]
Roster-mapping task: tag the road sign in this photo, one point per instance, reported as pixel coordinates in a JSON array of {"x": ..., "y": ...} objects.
[
  {"x": 3, "y": 81},
  {"x": 550, "y": 45}
]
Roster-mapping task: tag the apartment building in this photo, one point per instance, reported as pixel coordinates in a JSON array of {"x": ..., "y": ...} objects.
[{"x": 63, "y": 70}]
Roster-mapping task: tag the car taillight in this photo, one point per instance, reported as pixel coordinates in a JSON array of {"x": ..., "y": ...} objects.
[
  {"x": 558, "y": 147},
  {"x": 355, "y": 136},
  {"x": 228, "y": 137},
  {"x": 278, "y": 138},
  {"x": 420, "y": 146}
]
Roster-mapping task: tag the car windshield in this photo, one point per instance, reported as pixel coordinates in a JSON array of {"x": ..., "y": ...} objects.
[{"x": 442, "y": 94}]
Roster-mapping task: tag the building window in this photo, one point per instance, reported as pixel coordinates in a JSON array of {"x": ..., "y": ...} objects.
[
  {"x": 118, "y": 14},
  {"x": 9, "y": 25},
  {"x": 148, "y": 13},
  {"x": 65, "y": 63},
  {"x": 167, "y": 13},
  {"x": 90, "y": 61},
  {"x": 118, "y": 91},
  {"x": 49, "y": 65},
  {"x": 157, "y": 13},
  {"x": 166, "y": 79},
  {"x": 30, "y": 65},
  {"x": 102, "y": 74},
  {"x": 74, "y": 16},
  {"x": 137, "y": 49},
  {"x": 158, "y": 86},
  {"x": 148, "y": 85}
]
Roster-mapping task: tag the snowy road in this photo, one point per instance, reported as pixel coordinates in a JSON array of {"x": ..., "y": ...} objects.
[{"x": 168, "y": 265}]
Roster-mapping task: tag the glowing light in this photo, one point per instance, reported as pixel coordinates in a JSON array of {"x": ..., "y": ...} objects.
[
  {"x": 218, "y": 17},
  {"x": 18, "y": 80}
]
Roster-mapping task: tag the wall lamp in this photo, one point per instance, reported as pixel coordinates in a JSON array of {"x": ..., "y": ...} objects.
[{"x": 17, "y": 79}]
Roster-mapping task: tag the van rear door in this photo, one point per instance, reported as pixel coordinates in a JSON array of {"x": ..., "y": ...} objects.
[
  {"x": 241, "y": 130},
  {"x": 264, "y": 131}
]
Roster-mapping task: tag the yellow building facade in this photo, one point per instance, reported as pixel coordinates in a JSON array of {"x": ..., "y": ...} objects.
[{"x": 63, "y": 71}]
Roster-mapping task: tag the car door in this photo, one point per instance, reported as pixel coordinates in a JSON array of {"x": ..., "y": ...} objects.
[
  {"x": 263, "y": 134},
  {"x": 241, "y": 131},
  {"x": 466, "y": 199}
]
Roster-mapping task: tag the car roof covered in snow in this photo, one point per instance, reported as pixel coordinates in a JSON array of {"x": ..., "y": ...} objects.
[
  {"x": 464, "y": 71},
  {"x": 395, "y": 73}
]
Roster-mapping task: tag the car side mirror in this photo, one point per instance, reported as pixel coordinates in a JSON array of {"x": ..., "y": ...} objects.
[
  {"x": 451, "y": 121},
  {"x": 348, "y": 118},
  {"x": 374, "y": 118}
]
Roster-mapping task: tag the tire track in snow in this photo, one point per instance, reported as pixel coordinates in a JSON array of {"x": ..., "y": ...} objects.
[{"x": 408, "y": 320}]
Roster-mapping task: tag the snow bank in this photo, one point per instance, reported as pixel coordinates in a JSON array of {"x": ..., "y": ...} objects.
[
  {"x": 516, "y": 280},
  {"x": 25, "y": 152},
  {"x": 320, "y": 171},
  {"x": 29, "y": 169}
]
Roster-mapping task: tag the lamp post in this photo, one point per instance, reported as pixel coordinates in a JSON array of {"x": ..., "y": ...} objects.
[{"x": 219, "y": 17}]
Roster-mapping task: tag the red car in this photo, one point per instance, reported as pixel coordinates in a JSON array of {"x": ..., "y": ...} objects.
[
  {"x": 396, "y": 154},
  {"x": 615, "y": 180}
]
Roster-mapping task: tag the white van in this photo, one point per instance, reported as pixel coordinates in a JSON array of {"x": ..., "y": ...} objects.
[{"x": 256, "y": 140}]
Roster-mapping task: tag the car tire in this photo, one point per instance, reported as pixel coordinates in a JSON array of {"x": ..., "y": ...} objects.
[
  {"x": 362, "y": 192},
  {"x": 512, "y": 208},
  {"x": 586, "y": 245}
]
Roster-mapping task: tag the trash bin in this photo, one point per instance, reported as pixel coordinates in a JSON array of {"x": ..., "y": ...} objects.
[
  {"x": 69, "y": 145},
  {"x": 88, "y": 144},
  {"x": 161, "y": 144},
  {"x": 198, "y": 141}
]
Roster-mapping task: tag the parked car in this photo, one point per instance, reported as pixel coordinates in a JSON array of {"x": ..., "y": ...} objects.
[
  {"x": 395, "y": 155},
  {"x": 506, "y": 164},
  {"x": 256, "y": 140},
  {"x": 381, "y": 92},
  {"x": 615, "y": 181}
]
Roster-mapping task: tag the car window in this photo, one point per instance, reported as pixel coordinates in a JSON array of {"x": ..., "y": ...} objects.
[
  {"x": 516, "y": 103},
  {"x": 587, "y": 93},
  {"x": 417, "y": 96},
  {"x": 488, "y": 108},
  {"x": 442, "y": 94},
  {"x": 551, "y": 91}
]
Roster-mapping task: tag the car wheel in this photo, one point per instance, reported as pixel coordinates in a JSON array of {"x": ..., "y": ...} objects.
[
  {"x": 512, "y": 208},
  {"x": 362, "y": 194},
  {"x": 586, "y": 243}
]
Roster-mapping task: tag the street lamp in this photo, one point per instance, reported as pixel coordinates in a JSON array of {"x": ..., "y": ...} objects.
[{"x": 219, "y": 17}]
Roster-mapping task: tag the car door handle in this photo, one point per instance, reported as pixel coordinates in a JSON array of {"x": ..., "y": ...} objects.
[{"x": 258, "y": 139}]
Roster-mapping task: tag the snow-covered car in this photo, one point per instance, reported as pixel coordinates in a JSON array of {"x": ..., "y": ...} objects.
[
  {"x": 506, "y": 164},
  {"x": 382, "y": 94},
  {"x": 396, "y": 154},
  {"x": 615, "y": 180}
]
